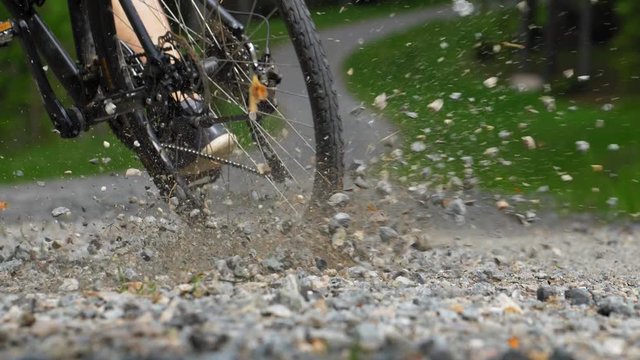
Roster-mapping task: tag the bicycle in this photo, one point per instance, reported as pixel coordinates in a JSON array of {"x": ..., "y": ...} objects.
[{"x": 208, "y": 52}]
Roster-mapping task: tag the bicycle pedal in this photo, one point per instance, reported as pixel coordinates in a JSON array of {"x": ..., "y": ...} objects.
[{"x": 6, "y": 32}]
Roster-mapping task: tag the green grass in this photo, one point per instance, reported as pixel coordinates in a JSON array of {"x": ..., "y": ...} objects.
[
  {"x": 51, "y": 157},
  {"x": 415, "y": 65}
]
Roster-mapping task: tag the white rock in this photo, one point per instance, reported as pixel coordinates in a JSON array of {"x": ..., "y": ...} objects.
[
  {"x": 568, "y": 73},
  {"x": 418, "y": 146},
  {"x": 106, "y": 144},
  {"x": 492, "y": 151},
  {"x": 566, "y": 177},
  {"x": 529, "y": 142},
  {"x": 584, "y": 78},
  {"x": 613, "y": 147},
  {"x": 69, "y": 285},
  {"x": 380, "y": 101},
  {"x": 549, "y": 103},
  {"x": 490, "y": 82},
  {"x": 411, "y": 114},
  {"x": 436, "y": 105},
  {"x": 463, "y": 7},
  {"x": 582, "y": 146},
  {"x": 60, "y": 210},
  {"x": 133, "y": 172},
  {"x": 278, "y": 310}
]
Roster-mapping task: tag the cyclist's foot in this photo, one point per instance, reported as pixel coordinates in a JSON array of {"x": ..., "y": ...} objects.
[
  {"x": 218, "y": 142},
  {"x": 215, "y": 141}
]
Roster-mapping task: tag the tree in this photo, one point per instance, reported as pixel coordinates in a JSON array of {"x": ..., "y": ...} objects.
[{"x": 628, "y": 42}]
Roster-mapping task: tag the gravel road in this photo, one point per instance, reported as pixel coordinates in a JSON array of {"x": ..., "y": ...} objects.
[{"x": 388, "y": 270}]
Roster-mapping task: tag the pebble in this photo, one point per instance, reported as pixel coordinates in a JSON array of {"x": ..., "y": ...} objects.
[
  {"x": 578, "y": 296},
  {"x": 69, "y": 285},
  {"x": 342, "y": 219},
  {"x": 59, "y": 211},
  {"x": 370, "y": 335},
  {"x": 278, "y": 310},
  {"x": 272, "y": 264},
  {"x": 338, "y": 199},
  {"x": 289, "y": 293},
  {"x": 544, "y": 293},
  {"x": 384, "y": 187},
  {"x": 361, "y": 183},
  {"x": 457, "y": 207},
  {"x": 614, "y": 305},
  {"x": 132, "y": 172},
  {"x": 422, "y": 242},
  {"x": 388, "y": 234},
  {"x": 339, "y": 238},
  {"x": 418, "y": 146}
]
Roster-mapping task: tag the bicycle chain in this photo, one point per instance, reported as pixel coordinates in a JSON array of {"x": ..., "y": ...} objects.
[{"x": 214, "y": 158}]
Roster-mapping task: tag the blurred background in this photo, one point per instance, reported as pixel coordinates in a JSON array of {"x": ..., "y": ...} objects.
[{"x": 566, "y": 75}]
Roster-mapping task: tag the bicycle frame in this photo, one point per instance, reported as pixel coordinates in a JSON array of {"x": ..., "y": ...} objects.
[{"x": 82, "y": 79}]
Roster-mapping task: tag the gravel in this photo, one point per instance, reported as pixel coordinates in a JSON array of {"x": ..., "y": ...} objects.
[{"x": 379, "y": 279}]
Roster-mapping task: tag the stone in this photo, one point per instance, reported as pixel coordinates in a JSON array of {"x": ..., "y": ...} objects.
[
  {"x": 422, "y": 242},
  {"x": 514, "y": 354},
  {"x": 272, "y": 264},
  {"x": 339, "y": 238},
  {"x": 457, "y": 207},
  {"x": 384, "y": 188},
  {"x": 132, "y": 172},
  {"x": 388, "y": 234},
  {"x": 289, "y": 294},
  {"x": 370, "y": 335},
  {"x": 69, "y": 284},
  {"x": 59, "y": 211},
  {"x": 578, "y": 296},
  {"x": 361, "y": 183},
  {"x": 338, "y": 199},
  {"x": 614, "y": 305},
  {"x": 560, "y": 354},
  {"x": 278, "y": 310},
  {"x": 544, "y": 293},
  {"x": 342, "y": 219}
]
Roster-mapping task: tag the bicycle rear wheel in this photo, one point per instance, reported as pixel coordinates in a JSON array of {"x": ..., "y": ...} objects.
[{"x": 294, "y": 131}]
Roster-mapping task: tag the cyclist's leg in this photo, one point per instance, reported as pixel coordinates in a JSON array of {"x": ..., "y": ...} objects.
[
  {"x": 151, "y": 14},
  {"x": 214, "y": 140}
]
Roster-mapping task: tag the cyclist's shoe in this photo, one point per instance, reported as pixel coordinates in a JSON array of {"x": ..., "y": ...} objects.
[{"x": 215, "y": 141}]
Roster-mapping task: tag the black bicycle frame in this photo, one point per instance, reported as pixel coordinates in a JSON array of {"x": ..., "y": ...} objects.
[{"x": 81, "y": 79}]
